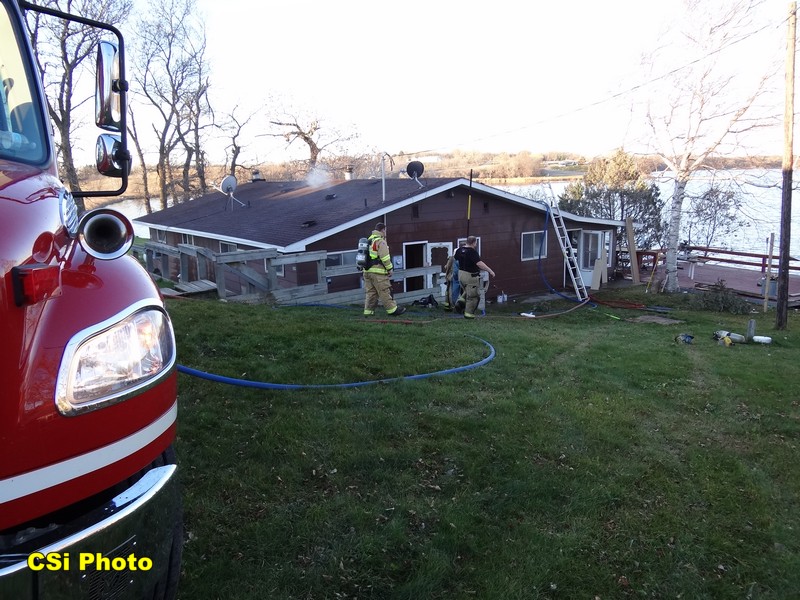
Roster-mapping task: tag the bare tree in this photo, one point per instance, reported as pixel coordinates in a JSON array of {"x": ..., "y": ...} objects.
[
  {"x": 193, "y": 120},
  {"x": 703, "y": 109},
  {"x": 171, "y": 76},
  {"x": 233, "y": 127},
  {"x": 134, "y": 136},
  {"x": 60, "y": 48},
  {"x": 310, "y": 132},
  {"x": 713, "y": 214}
]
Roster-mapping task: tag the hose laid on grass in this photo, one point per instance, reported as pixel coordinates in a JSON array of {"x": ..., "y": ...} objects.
[{"x": 298, "y": 386}]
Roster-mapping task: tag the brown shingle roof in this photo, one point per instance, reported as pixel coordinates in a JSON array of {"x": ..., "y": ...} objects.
[{"x": 286, "y": 213}]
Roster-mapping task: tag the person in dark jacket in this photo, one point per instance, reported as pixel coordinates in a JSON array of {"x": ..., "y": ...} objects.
[{"x": 470, "y": 266}]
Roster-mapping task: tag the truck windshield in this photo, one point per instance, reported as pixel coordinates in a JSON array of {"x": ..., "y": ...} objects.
[{"x": 22, "y": 136}]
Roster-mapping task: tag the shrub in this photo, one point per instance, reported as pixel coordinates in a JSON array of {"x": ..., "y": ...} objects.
[{"x": 720, "y": 298}]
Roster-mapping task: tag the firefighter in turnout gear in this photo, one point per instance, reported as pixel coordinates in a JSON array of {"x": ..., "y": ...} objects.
[
  {"x": 378, "y": 275},
  {"x": 470, "y": 266}
]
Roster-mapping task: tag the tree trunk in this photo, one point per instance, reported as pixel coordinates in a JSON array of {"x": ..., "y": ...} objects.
[
  {"x": 140, "y": 153},
  {"x": 200, "y": 159},
  {"x": 70, "y": 173},
  {"x": 234, "y": 158},
  {"x": 673, "y": 235},
  {"x": 187, "y": 165},
  {"x": 161, "y": 169}
]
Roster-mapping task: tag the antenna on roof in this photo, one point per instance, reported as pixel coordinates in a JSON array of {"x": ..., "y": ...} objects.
[
  {"x": 227, "y": 187},
  {"x": 414, "y": 170},
  {"x": 383, "y": 174}
]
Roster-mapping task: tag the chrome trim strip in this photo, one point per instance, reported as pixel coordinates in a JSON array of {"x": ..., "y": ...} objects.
[
  {"x": 32, "y": 482},
  {"x": 68, "y": 211},
  {"x": 126, "y": 503}
]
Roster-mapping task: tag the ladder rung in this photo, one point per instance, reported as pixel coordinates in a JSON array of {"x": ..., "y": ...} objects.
[{"x": 568, "y": 253}]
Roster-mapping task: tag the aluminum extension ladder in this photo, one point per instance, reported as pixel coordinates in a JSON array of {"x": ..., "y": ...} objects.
[{"x": 567, "y": 250}]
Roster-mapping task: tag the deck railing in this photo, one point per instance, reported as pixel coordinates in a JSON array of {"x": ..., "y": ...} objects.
[
  {"x": 257, "y": 271},
  {"x": 721, "y": 255}
]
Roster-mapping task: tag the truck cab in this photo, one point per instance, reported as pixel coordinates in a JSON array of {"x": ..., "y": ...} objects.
[{"x": 89, "y": 499}]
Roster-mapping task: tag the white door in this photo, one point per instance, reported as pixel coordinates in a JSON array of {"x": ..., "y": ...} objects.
[{"x": 437, "y": 253}]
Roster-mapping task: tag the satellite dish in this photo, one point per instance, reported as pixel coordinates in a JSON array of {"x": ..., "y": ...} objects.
[
  {"x": 415, "y": 169},
  {"x": 228, "y": 185}
]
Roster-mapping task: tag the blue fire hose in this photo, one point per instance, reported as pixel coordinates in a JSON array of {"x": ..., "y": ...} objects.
[{"x": 298, "y": 386}]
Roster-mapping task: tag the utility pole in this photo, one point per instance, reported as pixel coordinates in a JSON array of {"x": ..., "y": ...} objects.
[{"x": 782, "y": 300}]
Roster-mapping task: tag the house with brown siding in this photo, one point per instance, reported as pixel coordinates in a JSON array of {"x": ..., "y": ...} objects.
[{"x": 425, "y": 218}]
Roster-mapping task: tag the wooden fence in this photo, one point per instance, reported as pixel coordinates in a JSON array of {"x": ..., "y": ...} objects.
[{"x": 263, "y": 285}]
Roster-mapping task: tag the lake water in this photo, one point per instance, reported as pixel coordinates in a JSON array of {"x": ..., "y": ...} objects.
[
  {"x": 132, "y": 209},
  {"x": 761, "y": 205}
]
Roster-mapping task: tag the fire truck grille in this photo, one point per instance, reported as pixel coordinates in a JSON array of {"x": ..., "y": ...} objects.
[{"x": 111, "y": 584}]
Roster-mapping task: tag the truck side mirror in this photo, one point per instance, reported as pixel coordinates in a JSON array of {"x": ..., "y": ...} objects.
[
  {"x": 108, "y": 114},
  {"x": 108, "y": 154}
]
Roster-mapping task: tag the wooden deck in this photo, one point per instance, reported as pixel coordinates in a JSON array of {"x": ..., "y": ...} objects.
[
  {"x": 743, "y": 281},
  {"x": 196, "y": 287}
]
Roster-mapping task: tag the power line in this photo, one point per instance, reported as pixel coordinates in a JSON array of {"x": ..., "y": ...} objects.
[{"x": 620, "y": 94}]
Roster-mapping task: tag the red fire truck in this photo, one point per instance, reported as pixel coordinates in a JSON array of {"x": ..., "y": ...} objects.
[{"x": 89, "y": 501}]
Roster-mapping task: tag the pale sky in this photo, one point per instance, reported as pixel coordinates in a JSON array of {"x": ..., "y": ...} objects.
[{"x": 500, "y": 76}]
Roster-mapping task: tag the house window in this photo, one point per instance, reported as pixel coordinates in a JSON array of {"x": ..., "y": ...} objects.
[
  {"x": 161, "y": 235},
  {"x": 187, "y": 239},
  {"x": 592, "y": 243},
  {"x": 341, "y": 259},
  {"x": 534, "y": 242},
  {"x": 226, "y": 247},
  {"x": 574, "y": 238},
  {"x": 279, "y": 270},
  {"x": 460, "y": 241}
]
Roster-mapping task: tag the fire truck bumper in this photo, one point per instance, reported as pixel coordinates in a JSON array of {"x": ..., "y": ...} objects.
[{"x": 119, "y": 551}]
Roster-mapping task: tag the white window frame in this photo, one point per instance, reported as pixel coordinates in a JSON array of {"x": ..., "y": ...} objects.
[
  {"x": 231, "y": 247},
  {"x": 280, "y": 270},
  {"x": 591, "y": 244},
  {"x": 188, "y": 239},
  {"x": 463, "y": 240},
  {"x": 347, "y": 258},
  {"x": 536, "y": 245}
]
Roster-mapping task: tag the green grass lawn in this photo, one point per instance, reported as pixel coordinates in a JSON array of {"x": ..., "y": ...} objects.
[{"x": 594, "y": 456}]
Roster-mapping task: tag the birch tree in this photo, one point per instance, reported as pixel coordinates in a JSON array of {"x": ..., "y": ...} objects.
[{"x": 704, "y": 107}]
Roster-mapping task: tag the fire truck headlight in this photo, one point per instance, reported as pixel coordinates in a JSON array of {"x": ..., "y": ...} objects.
[{"x": 112, "y": 361}]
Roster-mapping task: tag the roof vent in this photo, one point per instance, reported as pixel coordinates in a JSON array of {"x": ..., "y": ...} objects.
[
  {"x": 330, "y": 196},
  {"x": 309, "y": 223},
  {"x": 256, "y": 175}
]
